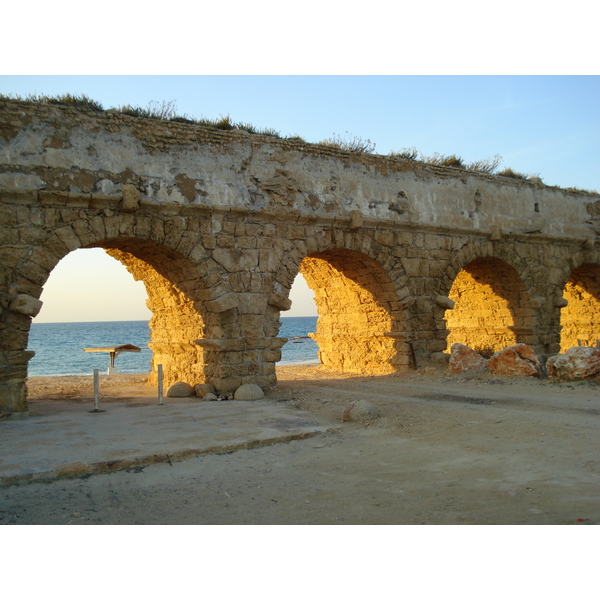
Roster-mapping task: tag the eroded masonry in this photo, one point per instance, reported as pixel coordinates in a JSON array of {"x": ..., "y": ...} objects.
[{"x": 404, "y": 258}]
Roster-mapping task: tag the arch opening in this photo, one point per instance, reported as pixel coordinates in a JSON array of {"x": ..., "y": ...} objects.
[
  {"x": 89, "y": 300},
  {"x": 359, "y": 325},
  {"x": 492, "y": 309},
  {"x": 580, "y": 319},
  {"x": 297, "y": 324}
]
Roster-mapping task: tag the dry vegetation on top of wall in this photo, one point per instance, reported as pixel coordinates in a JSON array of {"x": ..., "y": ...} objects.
[
  {"x": 163, "y": 111},
  {"x": 350, "y": 143},
  {"x": 167, "y": 111},
  {"x": 489, "y": 166}
]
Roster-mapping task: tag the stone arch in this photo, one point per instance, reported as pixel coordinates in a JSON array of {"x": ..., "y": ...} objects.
[
  {"x": 580, "y": 318},
  {"x": 360, "y": 327},
  {"x": 492, "y": 307},
  {"x": 188, "y": 295}
]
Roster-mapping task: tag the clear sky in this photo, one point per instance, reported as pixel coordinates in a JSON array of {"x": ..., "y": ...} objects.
[{"x": 448, "y": 79}]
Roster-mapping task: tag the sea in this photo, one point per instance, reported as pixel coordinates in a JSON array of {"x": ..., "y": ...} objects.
[{"x": 59, "y": 347}]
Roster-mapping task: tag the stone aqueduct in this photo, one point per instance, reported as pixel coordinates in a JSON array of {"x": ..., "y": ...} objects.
[{"x": 404, "y": 258}]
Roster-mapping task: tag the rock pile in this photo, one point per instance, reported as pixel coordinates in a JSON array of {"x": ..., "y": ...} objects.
[
  {"x": 519, "y": 359},
  {"x": 579, "y": 362}
]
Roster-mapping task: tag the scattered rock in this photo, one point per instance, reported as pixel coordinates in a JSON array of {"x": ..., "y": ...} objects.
[
  {"x": 519, "y": 359},
  {"x": 579, "y": 362},
  {"x": 360, "y": 411},
  {"x": 249, "y": 391},
  {"x": 202, "y": 389},
  {"x": 210, "y": 397},
  {"x": 180, "y": 390},
  {"x": 463, "y": 359}
]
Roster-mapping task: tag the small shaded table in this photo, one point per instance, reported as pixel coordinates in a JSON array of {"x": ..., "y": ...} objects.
[{"x": 114, "y": 351}]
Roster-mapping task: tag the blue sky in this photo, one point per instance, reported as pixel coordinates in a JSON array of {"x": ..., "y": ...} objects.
[{"x": 540, "y": 125}]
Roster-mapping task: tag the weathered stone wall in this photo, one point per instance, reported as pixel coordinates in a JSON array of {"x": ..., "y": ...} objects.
[{"x": 401, "y": 256}]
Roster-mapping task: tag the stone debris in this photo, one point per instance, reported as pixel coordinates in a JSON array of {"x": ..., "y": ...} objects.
[
  {"x": 249, "y": 391},
  {"x": 463, "y": 359},
  {"x": 360, "y": 411},
  {"x": 519, "y": 359},
  {"x": 180, "y": 389},
  {"x": 579, "y": 362}
]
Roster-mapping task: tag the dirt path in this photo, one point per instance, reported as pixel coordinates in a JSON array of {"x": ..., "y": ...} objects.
[{"x": 447, "y": 450}]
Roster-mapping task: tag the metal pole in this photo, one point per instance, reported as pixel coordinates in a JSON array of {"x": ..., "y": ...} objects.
[
  {"x": 96, "y": 391},
  {"x": 160, "y": 384}
]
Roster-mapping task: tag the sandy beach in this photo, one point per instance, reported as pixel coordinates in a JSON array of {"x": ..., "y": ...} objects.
[{"x": 447, "y": 449}]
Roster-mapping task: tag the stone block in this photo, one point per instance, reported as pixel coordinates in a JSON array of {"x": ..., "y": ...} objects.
[
  {"x": 223, "y": 304},
  {"x": 68, "y": 237},
  {"x": 280, "y": 302},
  {"x": 252, "y": 304},
  {"x": 26, "y": 305},
  {"x": 248, "y": 391},
  {"x": 48, "y": 198},
  {"x": 445, "y": 302},
  {"x": 229, "y": 258},
  {"x": 104, "y": 201}
]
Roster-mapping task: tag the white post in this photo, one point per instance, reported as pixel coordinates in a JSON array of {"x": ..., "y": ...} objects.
[
  {"x": 160, "y": 384},
  {"x": 96, "y": 391}
]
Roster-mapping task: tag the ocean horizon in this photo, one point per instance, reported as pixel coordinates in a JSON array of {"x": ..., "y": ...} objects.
[{"x": 59, "y": 347}]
